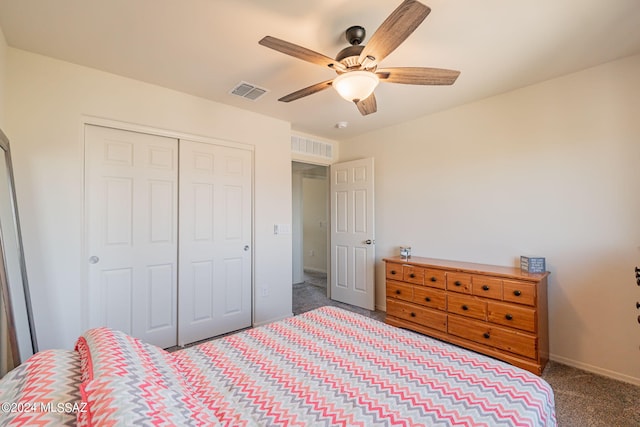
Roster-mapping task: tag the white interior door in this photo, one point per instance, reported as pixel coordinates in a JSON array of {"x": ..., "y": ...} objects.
[
  {"x": 131, "y": 212},
  {"x": 215, "y": 238},
  {"x": 352, "y": 233}
]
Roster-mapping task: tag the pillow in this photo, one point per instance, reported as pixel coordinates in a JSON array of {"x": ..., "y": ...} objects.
[
  {"x": 44, "y": 390},
  {"x": 106, "y": 352},
  {"x": 132, "y": 400},
  {"x": 126, "y": 381}
]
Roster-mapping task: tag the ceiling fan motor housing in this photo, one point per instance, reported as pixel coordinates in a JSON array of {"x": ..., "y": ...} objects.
[{"x": 349, "y": 56}]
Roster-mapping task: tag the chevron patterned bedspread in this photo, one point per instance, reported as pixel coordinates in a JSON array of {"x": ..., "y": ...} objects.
[
  {"x": 327, "y": 367},
  {"x": 333, "y": 367}
]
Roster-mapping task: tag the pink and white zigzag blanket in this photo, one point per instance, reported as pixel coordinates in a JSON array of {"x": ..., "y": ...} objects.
[{"x": 327, "y": 367}]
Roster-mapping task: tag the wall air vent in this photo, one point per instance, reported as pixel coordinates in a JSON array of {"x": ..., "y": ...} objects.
[
  {"x": 248, "y": 91},
  {"x": 311, "y": 147}
]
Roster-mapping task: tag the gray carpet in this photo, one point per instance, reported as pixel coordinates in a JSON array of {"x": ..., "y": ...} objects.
[{"x": 582, "y": 399}]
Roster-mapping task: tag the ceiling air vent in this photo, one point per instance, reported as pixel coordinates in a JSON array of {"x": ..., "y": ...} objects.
[{"x": 248, "y": 91}]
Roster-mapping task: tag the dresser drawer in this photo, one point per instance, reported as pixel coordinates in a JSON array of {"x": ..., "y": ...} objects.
[
  {"x": 393, "y": 271},
  {"x": 421, "y": 315},
  {"x": 399, "y": 290},
  {"x": 512, "y": 315},
  {"x": 428, "y": 297},
  {"x": 467, "y": 306},
  {"x": 435, "y": 278},
  {"x": 459, "y": 282},
  {"x": 488, "y": 287},
  {"x": 413, "y": 274},
  {"x": 495, "y": 336},
  {"x": 519, "y": 292}
]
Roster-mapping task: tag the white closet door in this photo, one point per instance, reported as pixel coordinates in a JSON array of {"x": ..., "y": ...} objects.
[
  {"x": 131, "y": 211},
  {"x": 215, "y": 237}
]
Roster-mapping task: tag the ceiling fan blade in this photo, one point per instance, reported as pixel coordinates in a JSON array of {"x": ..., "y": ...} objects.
[
  {"x": 394, "y": 30},
  {"x": 301, "y": 53},
  {"x": 418, "y": 75},
  {"x": 306, "y": 91},
  {"x": 367, "y": 105}
]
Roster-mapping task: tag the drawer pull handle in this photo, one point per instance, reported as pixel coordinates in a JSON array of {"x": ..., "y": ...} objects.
[
  {"x": 433, "y": 279},
  {"x": 465, "y": 308},
  {"x": 457, "y": 283},
  {"x": 413, "y": 314},
  {"x": 508, "y": 317},
  {"x": 427, "y": 299},
  {"x": 517, "y": 293},
  {"x": 393, "y": 272},
  {"x": 412, "y": 275},
  {"x": 398, "y": 292},
  {"x": 485, "y": 288},
  {"x": 486, "y": 335}
]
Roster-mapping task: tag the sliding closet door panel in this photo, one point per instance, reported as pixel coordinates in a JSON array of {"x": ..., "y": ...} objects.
[
  {"x": 215, "y": 239},
  {"x": 116, "y": 296},
  {"x": 132, "y": 242}
]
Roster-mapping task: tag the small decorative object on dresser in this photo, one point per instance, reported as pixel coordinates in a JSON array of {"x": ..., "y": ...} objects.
[
  {"x": 532, "y": 264},
  {"x": 405, "y": 252},
  {"x": 497, "y": 311}
]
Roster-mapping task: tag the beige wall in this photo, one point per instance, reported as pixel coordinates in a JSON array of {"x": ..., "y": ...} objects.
[
  {"x": 549, "y": 170},
  {"x": 315, "y": 223},
  {"x": 47, "y": 100}
]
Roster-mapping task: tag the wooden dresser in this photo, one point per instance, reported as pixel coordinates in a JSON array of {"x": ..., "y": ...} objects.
[{"x": 497, "y": 311}]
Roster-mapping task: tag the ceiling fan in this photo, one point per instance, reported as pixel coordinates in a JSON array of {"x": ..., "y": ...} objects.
[{"x": 357, "y": 65}]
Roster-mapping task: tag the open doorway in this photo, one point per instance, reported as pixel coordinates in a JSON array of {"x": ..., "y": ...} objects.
[{"x": 310, "y": 189}]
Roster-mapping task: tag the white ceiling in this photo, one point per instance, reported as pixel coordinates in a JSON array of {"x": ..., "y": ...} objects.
[{"x": 205, "y": 47}]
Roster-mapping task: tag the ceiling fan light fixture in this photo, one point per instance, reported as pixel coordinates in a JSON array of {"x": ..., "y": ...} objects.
[{"x": 355, "y": 85}]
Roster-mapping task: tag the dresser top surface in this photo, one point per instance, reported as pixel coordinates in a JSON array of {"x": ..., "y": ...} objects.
[{"x": 468, "y": 267}]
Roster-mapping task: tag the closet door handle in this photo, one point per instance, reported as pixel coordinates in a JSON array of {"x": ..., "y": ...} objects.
[
  {"x": 94, "y": 259},
  {"x": 246, "y": 248}
]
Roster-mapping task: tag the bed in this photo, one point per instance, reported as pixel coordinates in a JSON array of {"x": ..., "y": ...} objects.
[{"x": 325, "y": 367}]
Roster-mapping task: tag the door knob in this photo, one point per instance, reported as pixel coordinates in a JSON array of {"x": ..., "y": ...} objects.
[
  {"x": 246, "y": 248},
  {"x": 94, "y": 259},
  {"x": 369, "y": 241}
]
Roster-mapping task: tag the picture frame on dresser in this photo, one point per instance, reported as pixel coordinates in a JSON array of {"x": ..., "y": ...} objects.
[{"x": 498, "y": 311}]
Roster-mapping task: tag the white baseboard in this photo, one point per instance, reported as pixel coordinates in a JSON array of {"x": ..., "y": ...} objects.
[
  {"x": 266, "y": 322},
  {"x": 594, "y": 369},
  {"x": 314, "y": 270}
]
